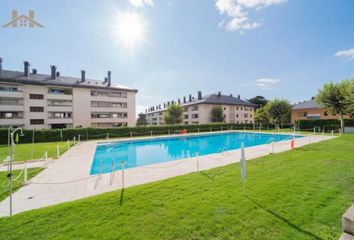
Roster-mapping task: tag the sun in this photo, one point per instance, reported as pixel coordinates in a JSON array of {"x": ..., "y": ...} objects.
[{"x": 130, "y": 30}]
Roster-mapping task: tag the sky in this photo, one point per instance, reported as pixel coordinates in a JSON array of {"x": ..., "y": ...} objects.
[{"x": 168, "y": 49}]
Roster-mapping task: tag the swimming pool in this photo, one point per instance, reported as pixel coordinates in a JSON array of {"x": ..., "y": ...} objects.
[{"x": 149, "y": 151}]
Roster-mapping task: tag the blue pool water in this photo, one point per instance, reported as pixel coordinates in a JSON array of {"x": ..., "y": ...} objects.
[{"x": 145, "y": 152}]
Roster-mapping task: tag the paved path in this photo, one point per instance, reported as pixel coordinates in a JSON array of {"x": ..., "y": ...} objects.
[
  {"x": 20, "y": 166},
  {"x": 68, "y": 179}
]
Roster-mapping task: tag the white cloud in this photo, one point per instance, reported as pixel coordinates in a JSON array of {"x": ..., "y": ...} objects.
[
  {"x": 349, "y": 54},
  {"x": 142, "y": 3},
  {"x": 267, "y": 83},
  {"x": 237, "y": 13}
]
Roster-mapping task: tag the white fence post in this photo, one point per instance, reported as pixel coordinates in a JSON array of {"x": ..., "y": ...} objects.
[
  {"x": 198, "y": 130},
  {"x": 131, "y": 134},
  {"x": 332, "y": 133},
  {"x": 169, "y": 131},
  {"x": 58, "y": 151},
  {"x": 78, "y": 138},
  {"x": 74, "y": 140},
  {"x": 107, "y": 136},
  {"x": 197, "y": 157},
  {"x": 314, "y": 130},
  {"x": 112, "y": 172},
  {"x": 122, "y": 174},
  {"x": 273, "y": 146},
  {"x": 46, "y": 158},
  {"x": 151, "y": 133},
  {"x": 211, "y": 129},
  {"x": 25, "y": 174}
]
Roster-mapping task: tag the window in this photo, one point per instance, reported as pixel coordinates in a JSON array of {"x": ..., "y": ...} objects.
[
  {"x": 250, "y": 115},
  {"x": 9, "y": 89},
  {"x": 186, "y": 116},
  {"x": 36, "y": 109},
  {"x": 302, "y": 114},
  {"x": 325, "y": 113},
  {"x": 59, "y": 115},
  {"x": 246, "y": 115},
  {"x": 11, "y": 115},
  {"x": 195, "y": 108},
  {"x": 109, "y": 94},
  {"x": 37, "y": 121},
  {"x": 236, "y": 108},
  {"x": 195, "y": 115},
  {"x": 109, "y": 104},
  {"x": 237, "y": 115},
  {"x": 112, "y": 115},
  {"x": 36, "y": 96},
  {"x": 60, "y": 91},
  {"x": 224, "y": 108},
  {"x": 186, "y": 109},
  {"x": 241, "y": 108}
]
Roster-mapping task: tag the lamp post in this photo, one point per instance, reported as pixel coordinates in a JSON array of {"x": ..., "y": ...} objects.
[{"x": 11, "y": 145}]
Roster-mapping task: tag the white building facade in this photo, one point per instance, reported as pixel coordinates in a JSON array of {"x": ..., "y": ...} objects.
[
  {"x": 197, "y": 111},
  {"x": 40, "y": 101}
]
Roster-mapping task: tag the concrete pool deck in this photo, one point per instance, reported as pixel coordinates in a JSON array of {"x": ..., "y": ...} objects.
[{"x": 68, "y": 178}]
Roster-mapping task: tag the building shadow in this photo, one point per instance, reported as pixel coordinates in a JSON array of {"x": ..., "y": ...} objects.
[{"x": 290, "y": 224}]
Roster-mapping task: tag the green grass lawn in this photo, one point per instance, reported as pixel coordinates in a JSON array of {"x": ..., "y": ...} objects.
[
  {"x": 25, "y": 151},
  {"x": 4, "y": 191},
  {"x": 300, "y": 194}
]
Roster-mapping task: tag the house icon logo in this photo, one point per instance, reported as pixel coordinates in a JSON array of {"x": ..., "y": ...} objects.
[{"x": 23, "y": 20}]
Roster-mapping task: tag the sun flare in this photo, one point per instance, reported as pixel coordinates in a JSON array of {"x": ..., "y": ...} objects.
[{"x": 130, "y": 30}]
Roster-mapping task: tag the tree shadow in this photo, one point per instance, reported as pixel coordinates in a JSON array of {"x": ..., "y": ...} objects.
[
  {"x": 207, "y": 175},
  {"x": 121, "y": 197},
  {"x": 290, "y": 224}
]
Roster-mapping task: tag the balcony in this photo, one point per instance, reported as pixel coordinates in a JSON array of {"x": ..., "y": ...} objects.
[
  {"x": 11, "y": 121},
  {"x": 59, "y": 120},
  {"x": 108, "y": 120},
  {"x": 11, "y": 108},
  {"x": 59, "y": 96},
  {"x": 11, "y": 94}
]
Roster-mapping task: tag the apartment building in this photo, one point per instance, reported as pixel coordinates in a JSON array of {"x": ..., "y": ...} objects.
[
  {"x": 39, "y": 101},
  {"x": 197, "y": 110},
  {"x": 311, "y": 110}
]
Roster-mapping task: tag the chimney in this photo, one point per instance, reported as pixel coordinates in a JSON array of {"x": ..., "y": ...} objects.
[
  {"x": 105, "y": 80},
  {"x": 109, "y": 79},
  {"x": 34, "y": 71},
  {"x": 199, "y": 95},
  {"x": 184, "y": 99},
  {"x": 190, "y": 97},
  {"x": 173, "y": 102},
  {"x": 179, "y": 101},
  {"x": 14, "y": 16},
  {"x": 231, "y": 95},
  {"x": 168, "y": 103},
  {"x": 83, "y": 76},
  {"x": 26, "y": 68},
  {"x": 238, "y": 96},
  {"x": 53, "y": 71},
  {"x": 31, "y": 16},
  {"x": 159, "y": 106},
  {"x": 0, "y": 65},
  {"x": 164, "y": 105},
  {"x": 58, "y": 74},
  {"x": 219, "y": 94}
]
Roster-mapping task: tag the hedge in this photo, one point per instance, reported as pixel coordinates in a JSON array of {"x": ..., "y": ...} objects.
[
  {"x": 327, "y": 125},
  {"x": 54, "y": 135}
]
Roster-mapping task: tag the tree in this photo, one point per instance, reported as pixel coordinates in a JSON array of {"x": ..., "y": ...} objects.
[
  {"x": 217, "y": 114},
  {"x": 337, "y": 98},
  {"x": 278, "y": 111},
  {"x": 259, "y": 101},
  {"x": 174, "y": 114},
  {"x": 141, "y": 120},
  {"x": 261, "y": 116}
]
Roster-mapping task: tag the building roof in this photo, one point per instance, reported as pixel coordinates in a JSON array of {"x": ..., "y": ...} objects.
[
  {"x": 45, "y": 79},
  {"x": 306, "y": 105},
  {"x": 214, "y": 99}
]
